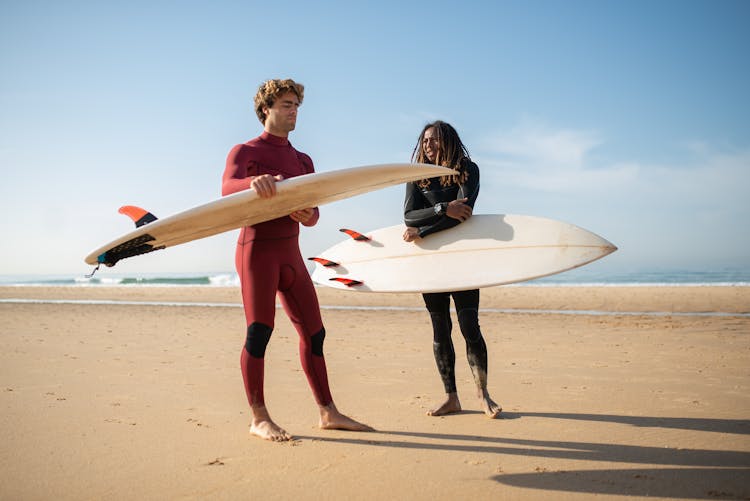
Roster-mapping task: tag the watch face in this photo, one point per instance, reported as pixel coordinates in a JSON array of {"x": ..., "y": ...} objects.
[{"x": 438, "y": 209}]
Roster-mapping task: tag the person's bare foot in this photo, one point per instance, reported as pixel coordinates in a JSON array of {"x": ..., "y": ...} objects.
[
  {"x": 490, "y": 408},
  {"x": 263, "y": 426},
  {"x": 332, "y": 419},
  {"x": 450, "y": 406}
]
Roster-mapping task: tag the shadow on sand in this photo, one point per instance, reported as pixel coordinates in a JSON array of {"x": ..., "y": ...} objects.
[{"x": 694, "y": 473}]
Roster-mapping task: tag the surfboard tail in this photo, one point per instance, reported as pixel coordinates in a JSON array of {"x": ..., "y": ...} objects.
[{"x": 134, "y": 247}]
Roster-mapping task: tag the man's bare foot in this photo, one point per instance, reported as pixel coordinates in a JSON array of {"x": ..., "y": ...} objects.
[
  {"x": 269, "y": 430},
  {"x": 262, "y": 426},
  {"x": 332, "y": 419},
  {"x": 490, "y": 408},
  {"x": 450, "y": 406}
]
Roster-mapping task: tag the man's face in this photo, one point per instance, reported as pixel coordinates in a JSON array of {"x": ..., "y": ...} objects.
[
  {"x": 281, "y": 118},
  {"x": 430, "y": 144}
]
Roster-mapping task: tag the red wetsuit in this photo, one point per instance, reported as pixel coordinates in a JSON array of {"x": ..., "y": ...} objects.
[{"x": 268, "y": 261}]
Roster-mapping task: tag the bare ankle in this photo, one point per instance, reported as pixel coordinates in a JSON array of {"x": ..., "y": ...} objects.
[
  {"x": 264, "y": 427},
  {"x": 260, "y": 413}
]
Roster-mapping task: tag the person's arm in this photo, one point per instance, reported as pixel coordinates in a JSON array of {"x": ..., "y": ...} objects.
[
  {"x": 468, "y": 191},
  {"x": 309, "y": 216},
  {"x": 236, "y": 179},
  {"x": 416, "y": 211},
  {"x": 235, "y": 176},
  {"x": 306, "y": 217}
]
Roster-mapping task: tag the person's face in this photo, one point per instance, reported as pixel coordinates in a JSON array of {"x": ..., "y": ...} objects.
[
  {"x": 281, "y": 118},
  {"x": 430, "y": 144}
]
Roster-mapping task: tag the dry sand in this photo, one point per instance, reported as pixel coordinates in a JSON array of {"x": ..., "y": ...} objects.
[{"x": 138, "y": 401}]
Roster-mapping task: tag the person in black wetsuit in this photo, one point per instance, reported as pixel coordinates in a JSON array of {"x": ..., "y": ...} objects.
[{"x": 438, "y": 204}]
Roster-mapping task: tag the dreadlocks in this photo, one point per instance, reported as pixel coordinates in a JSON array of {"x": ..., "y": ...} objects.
[{"x": 452, "y": 153}]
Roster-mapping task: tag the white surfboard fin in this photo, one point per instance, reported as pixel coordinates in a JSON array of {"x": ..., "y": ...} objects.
[
  {"x": 325, "y": 262},
  {"x": 138, "y": 215},
  {"x": 355, "y": 235}
]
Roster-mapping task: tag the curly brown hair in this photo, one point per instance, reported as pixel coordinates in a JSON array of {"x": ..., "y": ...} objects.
[
  {"x": 270, "y": 90},
  {"x": 452, "y": 153}
]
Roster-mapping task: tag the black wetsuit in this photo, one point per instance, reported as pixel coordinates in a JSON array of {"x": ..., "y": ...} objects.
[{"x": 424, "y": 208}]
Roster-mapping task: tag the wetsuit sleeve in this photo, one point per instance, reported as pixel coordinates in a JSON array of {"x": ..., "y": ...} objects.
[
  {"x": 469, "y": 190},
  {"x": 417, "y": 211},
  {"x": 235, "y": 176}
]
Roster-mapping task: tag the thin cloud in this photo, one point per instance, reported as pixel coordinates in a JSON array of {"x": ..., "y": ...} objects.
[
  {"x": 537, "y": 157},
  {"x": 700, "y": 184},
  {"x": 532, "y": 155},
  {"x": 708, "y": 178},
  {"x": 529, "y": 141}
]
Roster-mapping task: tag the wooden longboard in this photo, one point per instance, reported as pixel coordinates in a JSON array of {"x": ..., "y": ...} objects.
[{"x": 246, "y": 208}]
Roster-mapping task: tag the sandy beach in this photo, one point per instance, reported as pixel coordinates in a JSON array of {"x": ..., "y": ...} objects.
[{"x": 608, "y": 392}]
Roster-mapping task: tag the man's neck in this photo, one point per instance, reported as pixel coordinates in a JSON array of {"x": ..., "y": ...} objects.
[
  {"x": 276, "y": 132},
  {"x": 274, "y": 139}
]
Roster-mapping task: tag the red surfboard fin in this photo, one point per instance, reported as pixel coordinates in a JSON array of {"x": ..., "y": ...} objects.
[
  {"x": 325, "y": 262},
  {"x": 355, "y": 235},
  {"x": 138, "y": 215},
  {"x": 347, "y": 281}
]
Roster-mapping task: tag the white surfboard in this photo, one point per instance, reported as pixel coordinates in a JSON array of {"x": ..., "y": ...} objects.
[
  {"x": 486, "y": 250},
  {"x": 246, "y": 208}
]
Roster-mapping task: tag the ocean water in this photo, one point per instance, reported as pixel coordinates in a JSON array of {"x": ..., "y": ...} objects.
[{"x": 577, "y": 277}]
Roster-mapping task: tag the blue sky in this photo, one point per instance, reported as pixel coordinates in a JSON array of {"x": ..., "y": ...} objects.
[{"x": 628, "y": 118}]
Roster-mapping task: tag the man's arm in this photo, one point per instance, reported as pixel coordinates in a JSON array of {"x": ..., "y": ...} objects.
[
  {"x": 467, "y": 195},
  {"x": 306, "y": 217}
]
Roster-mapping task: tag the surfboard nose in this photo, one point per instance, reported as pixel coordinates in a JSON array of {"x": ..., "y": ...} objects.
[{"x": 607, "y": 247}]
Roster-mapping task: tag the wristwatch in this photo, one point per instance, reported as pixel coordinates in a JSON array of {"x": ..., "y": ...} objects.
[{"x": 441, "y": 208}]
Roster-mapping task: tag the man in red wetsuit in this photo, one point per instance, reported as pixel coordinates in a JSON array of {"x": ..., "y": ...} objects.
[{"x": 268, "y": 260}]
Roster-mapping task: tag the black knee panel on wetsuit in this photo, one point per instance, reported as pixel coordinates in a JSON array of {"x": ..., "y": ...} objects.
[
  {"x": 257, "y": 339},
  {"x": 317, "y": 342},
  {"x": 468, "y": 320}
]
